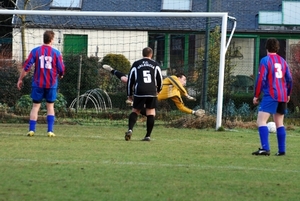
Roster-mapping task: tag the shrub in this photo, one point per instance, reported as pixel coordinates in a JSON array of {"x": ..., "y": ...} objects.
[
  {"x": 241, "y": 98},
  {"x": 118, "y": 100},
  {"x": 8, "y": 85},
  {"x": 117, "y": 61},
  {"x": 90, "y": 78},
  {"x": 24, "y": 104},
  {"x": 109, "y": 82}
]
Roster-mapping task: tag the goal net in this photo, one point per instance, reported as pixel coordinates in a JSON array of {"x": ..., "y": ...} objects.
[{"x": 88, "y": 40}]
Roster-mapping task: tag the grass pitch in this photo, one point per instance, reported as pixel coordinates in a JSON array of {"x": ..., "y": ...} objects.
[{"x": 90, "y": 162}]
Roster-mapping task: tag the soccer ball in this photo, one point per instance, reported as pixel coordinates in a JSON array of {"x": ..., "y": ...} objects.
[{"x": 271, "y": 127}]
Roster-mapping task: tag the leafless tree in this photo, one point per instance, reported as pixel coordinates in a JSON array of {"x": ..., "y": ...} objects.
[{"x": 27, "y": 5}]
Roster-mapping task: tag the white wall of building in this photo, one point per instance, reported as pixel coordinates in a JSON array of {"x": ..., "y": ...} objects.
[{"x": 100, "y": 42}]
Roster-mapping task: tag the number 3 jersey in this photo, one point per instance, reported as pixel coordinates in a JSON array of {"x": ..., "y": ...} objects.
[
  {"x": 48, "y": 64},
  {"x": 144, "y": 78},
  {"x": 274, "y": 78}
]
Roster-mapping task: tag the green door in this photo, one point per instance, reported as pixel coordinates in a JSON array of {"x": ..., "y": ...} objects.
[{"x": 75, "y": 44}]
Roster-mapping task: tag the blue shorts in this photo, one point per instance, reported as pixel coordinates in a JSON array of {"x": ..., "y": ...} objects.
[
  {"x": 269, "y": 105},
  {"x": 38, "y": 94}
]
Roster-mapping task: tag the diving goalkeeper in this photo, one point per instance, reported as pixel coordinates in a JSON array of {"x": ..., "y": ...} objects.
[{"x": 173, "y": 88}]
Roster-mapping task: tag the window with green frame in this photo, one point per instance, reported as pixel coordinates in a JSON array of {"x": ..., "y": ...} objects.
[{"x": 173, "y": 51}]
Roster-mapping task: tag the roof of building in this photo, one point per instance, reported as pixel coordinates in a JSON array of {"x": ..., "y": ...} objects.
[{"x": 245, "y": 12}]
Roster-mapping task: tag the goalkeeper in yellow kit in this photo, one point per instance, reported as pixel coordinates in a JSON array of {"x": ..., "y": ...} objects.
[{"x": 173, "y": 88}]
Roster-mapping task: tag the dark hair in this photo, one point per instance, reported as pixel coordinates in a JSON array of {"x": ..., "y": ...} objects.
[
  {"x": 180, "y": 74},
  {"x": 147, "y": 52},
  {"x": 48, "y": 36},
  {"x": 272, "y": 45}
]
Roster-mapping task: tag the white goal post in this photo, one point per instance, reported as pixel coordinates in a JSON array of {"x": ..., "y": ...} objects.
[{"x": 224, "y": 43}]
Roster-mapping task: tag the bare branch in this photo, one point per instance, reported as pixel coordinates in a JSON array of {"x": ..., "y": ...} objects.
[
  {"x": 14, "y": 3},
  {"x": 43, "y": 5}
]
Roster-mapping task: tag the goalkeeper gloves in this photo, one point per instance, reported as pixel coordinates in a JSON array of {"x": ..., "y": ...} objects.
[
  {"x": 129, "y": 102},
  {"x": 199, "y": 113}
]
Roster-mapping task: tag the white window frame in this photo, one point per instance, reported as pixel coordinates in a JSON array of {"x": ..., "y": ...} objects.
[
  {"x": 176, "y": 5},
  {"x": 66, "y": 3}
]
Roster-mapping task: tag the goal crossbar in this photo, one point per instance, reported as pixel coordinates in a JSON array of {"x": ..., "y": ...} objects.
[
  {"x": 223, "y": 49},
  {"x": 114, "y": 14}
]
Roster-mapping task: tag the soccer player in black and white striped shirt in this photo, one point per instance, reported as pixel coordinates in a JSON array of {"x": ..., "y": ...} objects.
[{"x": 144, "y": 83}]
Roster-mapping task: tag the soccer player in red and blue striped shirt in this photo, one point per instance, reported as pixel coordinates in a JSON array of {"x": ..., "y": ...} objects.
[
  {"x": 48, "y": 68},
  {"x": 274, "y": 80}
]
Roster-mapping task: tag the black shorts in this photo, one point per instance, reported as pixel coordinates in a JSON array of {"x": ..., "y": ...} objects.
[
  {"x": 282, "y": 108},
  {"x": 144, "y": 102}
]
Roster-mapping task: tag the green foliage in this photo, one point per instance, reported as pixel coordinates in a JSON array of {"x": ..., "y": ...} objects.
[
  {"x": 240, "y": 98},
  {"x": 117, "y": 61},
  {"x": 90, "y": 78},
  {"x": 295, "y": 96},
  {"x": 109, "y": 82},
  {"x": 118, "y": 100},
  {"x": 213, "y": 68},
  {"x": 221, "y": 128},
  {"x": 24, "y": 104},
  {"x": 60, "y": 104},
  {"x": 8, "y": 85},
  {"x": 3, "y": 107}
]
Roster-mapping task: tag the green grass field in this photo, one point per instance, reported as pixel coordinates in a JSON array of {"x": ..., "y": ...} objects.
[{"x": 94, "y": 162}]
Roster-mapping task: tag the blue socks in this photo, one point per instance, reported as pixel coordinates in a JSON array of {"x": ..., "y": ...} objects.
[
  {"x": 281, "y": 136},
  {"x": 32, "y": 125},
  {"x": 264, "y": 137},
  {"x": 50, "y": 122}
]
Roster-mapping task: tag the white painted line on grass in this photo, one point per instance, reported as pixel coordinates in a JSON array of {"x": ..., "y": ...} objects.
[{"x": 151, "y": 164}]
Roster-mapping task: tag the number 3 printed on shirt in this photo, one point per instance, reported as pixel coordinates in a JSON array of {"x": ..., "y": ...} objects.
[
  {"x": 48, "y": 62},
  {"x": 278, "y": 73},
  {"x": 147, "y": 76}
]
